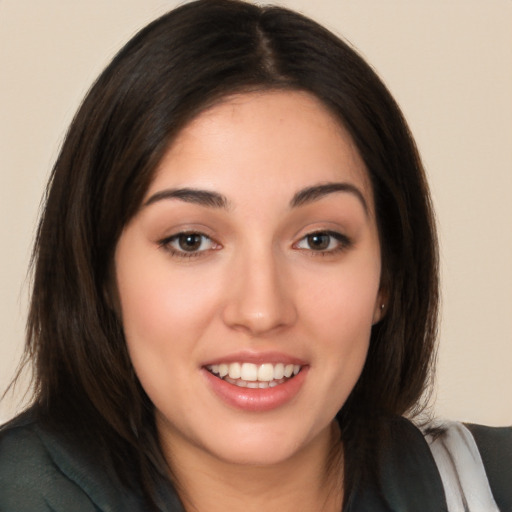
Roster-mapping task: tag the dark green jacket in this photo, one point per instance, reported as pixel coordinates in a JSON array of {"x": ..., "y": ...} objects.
[{"x": 40, "y": 472}]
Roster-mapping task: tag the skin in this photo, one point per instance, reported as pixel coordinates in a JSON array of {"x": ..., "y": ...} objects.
[{"x": 256, "y": 283}]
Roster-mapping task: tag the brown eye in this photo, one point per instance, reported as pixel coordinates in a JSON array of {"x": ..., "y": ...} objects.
[
  {"x": 323, "y": 242},
  {"x": 190, "y": 241},
  {"x": 319, "y": 241},
  {"x": 188, "y": 244}
]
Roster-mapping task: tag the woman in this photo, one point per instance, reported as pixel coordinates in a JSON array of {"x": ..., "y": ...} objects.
[{"x": 235, "y": 289}]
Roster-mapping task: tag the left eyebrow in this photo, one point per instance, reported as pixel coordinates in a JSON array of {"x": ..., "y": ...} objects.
[
  {"x": 191, "y": 195},
  {"x": 316, "y": 192}
]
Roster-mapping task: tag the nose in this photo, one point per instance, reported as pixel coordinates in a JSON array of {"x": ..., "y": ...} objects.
[{"x": 260, "y": 295}]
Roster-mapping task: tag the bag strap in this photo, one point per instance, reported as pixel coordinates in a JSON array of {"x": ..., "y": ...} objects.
[{"x": 461, "y": 468}]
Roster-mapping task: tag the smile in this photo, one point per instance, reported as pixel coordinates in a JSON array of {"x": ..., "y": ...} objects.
[{"x": 255, "y": 376}]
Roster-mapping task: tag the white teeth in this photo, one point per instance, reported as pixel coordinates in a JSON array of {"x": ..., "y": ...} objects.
[
  {"x": 255, "y": 376},
  {"x": 288, "y": 370},
  {"x": 266, "y": 373},
  {"x": 248, "y": 372},
  {"x": 279, "y": 371},
  {"x": 223, "y": 370},
  {"x": 234, "y": 371},
  {"x": 254, "y": 385}
]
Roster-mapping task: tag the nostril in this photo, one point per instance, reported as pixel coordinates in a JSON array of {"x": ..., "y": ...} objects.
[{"x": 261, "y": 299}]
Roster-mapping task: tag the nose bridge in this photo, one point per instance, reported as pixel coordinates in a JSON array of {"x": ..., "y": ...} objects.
[{"x": 260, "y": 299}]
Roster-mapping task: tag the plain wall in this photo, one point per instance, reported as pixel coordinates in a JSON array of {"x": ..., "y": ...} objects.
[{"x": 447, "y": 63}]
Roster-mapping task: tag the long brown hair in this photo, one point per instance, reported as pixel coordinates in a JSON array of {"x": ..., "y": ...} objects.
[{"x": 169, "y": 72}]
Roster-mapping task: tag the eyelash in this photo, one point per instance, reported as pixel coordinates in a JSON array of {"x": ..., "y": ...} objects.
[
  {"x": 166, "y": 244},
  {"x": 342, "y": 243}
]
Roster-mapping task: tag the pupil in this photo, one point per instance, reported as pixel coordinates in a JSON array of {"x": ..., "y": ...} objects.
[
  {"x": 190, "y": 242},
  {"x": 319, "y": 241}
]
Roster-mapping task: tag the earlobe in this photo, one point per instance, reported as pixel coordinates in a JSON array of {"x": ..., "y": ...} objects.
[
  {"x": 111, "y": 294},
  {"x": 381, "y": 305},
  {"x": 382, "y": 301},
  {"x": 379, "y": 312}
]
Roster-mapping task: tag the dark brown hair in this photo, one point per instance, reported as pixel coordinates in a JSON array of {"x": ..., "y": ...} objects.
[{"x": 169, "y": 72}]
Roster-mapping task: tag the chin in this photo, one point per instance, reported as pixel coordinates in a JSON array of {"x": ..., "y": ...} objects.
[
  {"x": 263, "y": 446},
  {"x": 254, "y": 454}
]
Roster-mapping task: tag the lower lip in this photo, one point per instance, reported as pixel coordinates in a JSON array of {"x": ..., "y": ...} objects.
[{"x": 256, "y": 400}]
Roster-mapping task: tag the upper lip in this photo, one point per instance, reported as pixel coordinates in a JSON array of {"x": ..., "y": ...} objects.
[{"x": 256, "y": 358}]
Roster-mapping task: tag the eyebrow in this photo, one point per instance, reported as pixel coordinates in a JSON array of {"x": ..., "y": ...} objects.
[
  {"x": 191, "y": 195},
  {"x": 215, "y": 200},
  {"x": 316, "y": 192}
]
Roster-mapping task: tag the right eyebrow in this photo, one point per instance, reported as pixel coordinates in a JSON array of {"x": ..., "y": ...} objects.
[
  {"x": 316, "y": 192},
  {"x": 190, "y": 195}
]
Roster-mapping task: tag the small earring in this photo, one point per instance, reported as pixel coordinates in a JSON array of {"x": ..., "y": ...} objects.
[{"x": 382, "y": 306}]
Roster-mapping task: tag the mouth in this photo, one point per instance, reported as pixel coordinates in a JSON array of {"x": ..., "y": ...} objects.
[{"x": 255, "y": 376}]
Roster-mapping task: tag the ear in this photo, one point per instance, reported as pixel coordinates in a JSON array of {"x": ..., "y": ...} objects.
[
  {"x": 111, "y": 294},
  {"x": 381, "y": 303}
]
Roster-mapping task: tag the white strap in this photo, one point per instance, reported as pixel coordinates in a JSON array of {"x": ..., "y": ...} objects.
[{"x": 461, "y": 468}]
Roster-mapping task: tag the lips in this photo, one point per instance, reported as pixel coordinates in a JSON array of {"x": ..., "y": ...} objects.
[{"x": 262, "y": 385}]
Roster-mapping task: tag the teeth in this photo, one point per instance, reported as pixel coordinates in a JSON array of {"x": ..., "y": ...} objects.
[
  {"x": 254, "y": 385},
  {"x": 255, "y": 376},
  {"x": 234, "y": 371},
  {"x": 266, "y": 373},
  {"x": 248, "y": 372},
  {"x": 223, "y": 370},
  {"x": 279, "y": 371}
]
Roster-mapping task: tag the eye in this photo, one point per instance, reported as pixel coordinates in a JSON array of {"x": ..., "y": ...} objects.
[
  {"x": 323, "y": 242},
  {"x": 188, "y": 244}
]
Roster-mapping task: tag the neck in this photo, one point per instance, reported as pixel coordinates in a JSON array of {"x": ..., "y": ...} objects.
[{"x": 310, "y": 480}]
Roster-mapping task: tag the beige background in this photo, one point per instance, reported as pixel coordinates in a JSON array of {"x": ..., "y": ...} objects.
[{"x": 448, "y": 63}]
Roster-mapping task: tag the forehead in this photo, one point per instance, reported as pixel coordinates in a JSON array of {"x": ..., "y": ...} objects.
[{"x": 286, "y": 138}]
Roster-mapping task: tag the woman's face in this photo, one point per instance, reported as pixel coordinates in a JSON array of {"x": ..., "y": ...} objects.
[{"x": 249, "y": 279}]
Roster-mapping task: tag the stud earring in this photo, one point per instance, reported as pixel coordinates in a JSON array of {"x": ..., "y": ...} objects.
[{"x": 382, "y": 306}]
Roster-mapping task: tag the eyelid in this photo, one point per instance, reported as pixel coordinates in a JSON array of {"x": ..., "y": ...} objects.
[
  {"x": 343, "y": 242},
  {"x": 166, "y": 244}
]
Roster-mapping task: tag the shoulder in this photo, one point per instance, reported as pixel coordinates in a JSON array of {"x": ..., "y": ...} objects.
[
  {"x": 449, "y": 465},
  {"x": 30, "y": 481},
  {"x": 495, "y": 447},
  {"x": 476, "y": 460},
  {"x": 43, "y": 471},
  {"x": 493, "y": 442},
  {"x": 400, "y": 472}
]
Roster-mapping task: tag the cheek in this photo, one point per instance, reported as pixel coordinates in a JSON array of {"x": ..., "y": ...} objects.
[
  {"x": 163, "y": 311},
  {"x": 343, "y": 302},
  {"x": 157, "y": 304},
  {"x": 164, "y": 319},
  {"x": 340, "y": 311}
]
